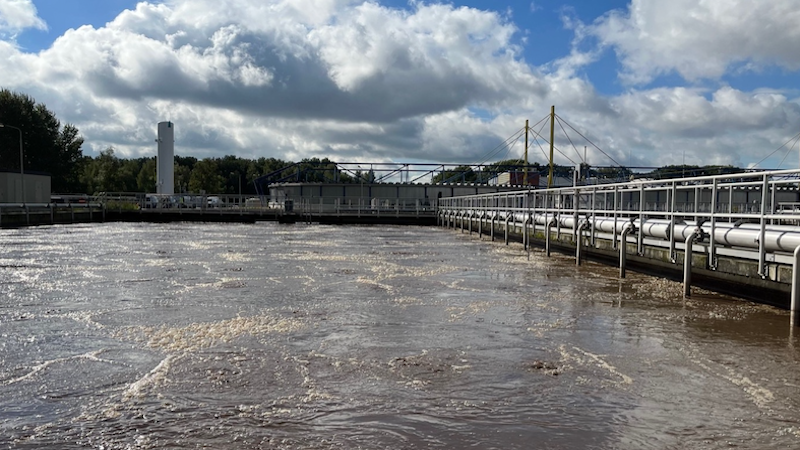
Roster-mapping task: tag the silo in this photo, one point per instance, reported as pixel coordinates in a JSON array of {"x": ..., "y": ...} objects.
[{"x": 165, "y": 174}]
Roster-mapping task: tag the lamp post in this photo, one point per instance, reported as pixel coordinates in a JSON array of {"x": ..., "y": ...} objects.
[{"x": 21, "y": 159}]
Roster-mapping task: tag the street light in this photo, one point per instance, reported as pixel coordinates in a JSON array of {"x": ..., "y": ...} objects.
[{"x": 21, "y": 165}]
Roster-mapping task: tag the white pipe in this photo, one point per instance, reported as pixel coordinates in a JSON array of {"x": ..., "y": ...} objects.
[{"x": 776, "y": 237}]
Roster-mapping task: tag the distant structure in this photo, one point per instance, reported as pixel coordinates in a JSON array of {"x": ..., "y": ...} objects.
[{"x": 165, "y": 164}]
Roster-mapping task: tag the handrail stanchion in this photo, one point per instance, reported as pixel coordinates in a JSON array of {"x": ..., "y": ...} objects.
[
  {"x": 584, "y": 224},
  {"x": 623, "y": 247},
  {"x": 712, "y": 249},
  {"x": 550, "y": 222},
  {"x": 795, "y": 303},
  {"x": 687, "y": 262},
  {"x": 640, "y": 242},
  {"x": 509, "y": 216},
  {"x": 762, "y": 247},
  {"x": 525, "y": 219},
  {"x": 616, "y": 191},
  {"x": 673, "y": 193}
]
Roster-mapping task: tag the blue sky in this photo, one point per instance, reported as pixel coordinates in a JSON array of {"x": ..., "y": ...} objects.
[{"x": 393, "y": 80}]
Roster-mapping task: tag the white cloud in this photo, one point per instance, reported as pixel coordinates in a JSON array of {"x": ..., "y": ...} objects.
[
  {"x": 701, "y": 39},
  {"x": 354, "y": 80},
  {"x": 17, "y": 15}
]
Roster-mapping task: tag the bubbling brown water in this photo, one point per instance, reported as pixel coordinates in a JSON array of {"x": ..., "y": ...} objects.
[{"x": 123, "y": 336}]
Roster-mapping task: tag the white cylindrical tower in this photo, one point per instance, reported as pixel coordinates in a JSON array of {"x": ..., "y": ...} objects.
[{"x": 165, "y": 173}]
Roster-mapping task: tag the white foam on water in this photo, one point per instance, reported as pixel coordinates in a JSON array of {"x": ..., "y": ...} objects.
[
  {"x": 205, "y": 335},
  {"x": 156, "y": 376},
  {"x": 597, "y": 360},
  {"x": 235, "y": 257},
  {"x": 759, "y": 395},
  {"x": 91, "y": 356}
]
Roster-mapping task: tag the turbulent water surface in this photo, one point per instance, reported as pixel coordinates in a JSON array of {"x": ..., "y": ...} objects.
[{"x": 128, "y": 336}]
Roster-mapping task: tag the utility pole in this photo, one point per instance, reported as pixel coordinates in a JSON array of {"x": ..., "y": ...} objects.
[{"x": 552, "y": 133}]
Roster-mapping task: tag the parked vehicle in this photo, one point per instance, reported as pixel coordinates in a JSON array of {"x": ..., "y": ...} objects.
[
  {"x": 150, "y": 201},
  {"x": 214, "y": 202}
]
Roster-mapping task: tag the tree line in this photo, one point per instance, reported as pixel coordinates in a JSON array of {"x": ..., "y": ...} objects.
[{"x": 52, "y": 148}]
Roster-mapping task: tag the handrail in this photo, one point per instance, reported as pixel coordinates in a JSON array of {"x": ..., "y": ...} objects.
[{"x": 753, "y": 215}]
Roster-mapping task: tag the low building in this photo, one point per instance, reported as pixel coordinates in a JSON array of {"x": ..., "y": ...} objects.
[{"x": 37, "y": 188}]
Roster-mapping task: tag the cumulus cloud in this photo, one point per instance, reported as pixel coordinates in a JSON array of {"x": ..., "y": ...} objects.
[
  {"x": 355, "y": 80},
  {"x": 701, "y": 39},
  {"x": 16, "y": 15}
]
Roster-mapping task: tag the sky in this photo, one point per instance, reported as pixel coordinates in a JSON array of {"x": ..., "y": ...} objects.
[{"x": 638, "y": 83}]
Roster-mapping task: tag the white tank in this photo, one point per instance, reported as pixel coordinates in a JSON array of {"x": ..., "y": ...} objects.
[{"x": 165, "y": 163}]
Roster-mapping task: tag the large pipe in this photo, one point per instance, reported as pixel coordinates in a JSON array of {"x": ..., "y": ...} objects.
[{"x": 776, "y": 237}]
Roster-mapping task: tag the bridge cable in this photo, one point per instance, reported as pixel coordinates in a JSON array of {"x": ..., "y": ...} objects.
[
  {"x": 794, "y": 138},
  {"x": 558, "y": 150},
  {"x": 589, "y": 141},
  {"x": 789, "y": 150},
  {"x": 560, "y": 124}
]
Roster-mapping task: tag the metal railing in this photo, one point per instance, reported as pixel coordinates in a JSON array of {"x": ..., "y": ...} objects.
[
  {"x": 752, "y": 215},
  {"x": 364, "y": 206}
]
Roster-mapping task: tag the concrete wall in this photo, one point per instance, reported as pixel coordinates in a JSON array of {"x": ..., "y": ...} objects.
[
  {"x": 165, "y": 165},
  {"x": 37, "y": 188}
]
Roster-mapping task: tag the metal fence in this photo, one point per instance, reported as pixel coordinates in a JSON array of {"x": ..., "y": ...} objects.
[{"x": 751, "y": 215}]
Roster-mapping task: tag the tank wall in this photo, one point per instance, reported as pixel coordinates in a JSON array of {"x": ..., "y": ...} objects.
[{"x": 165, "y": 177}]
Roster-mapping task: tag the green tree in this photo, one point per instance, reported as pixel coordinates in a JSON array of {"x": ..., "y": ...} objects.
[
  {"x": 206, "y": 178},
  {"x": 47, "y": 146},
  {"x": 127, "y": 174},
  {"x": 101, "y": 174},
  {"x": 146, "y": 179},
  {"x": 460, "y": 174}
]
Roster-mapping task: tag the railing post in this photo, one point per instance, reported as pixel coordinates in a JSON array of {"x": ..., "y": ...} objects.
[
  {"x": 673, "y": 258},
  {"x": 795, "y": 304},
  {"x": 616, "y": 191},
  {"x": 508, "y": 218},
  {"x": 584, "y": 224},
  {"x": 712, "y": 249},
  {"x": 547, "y": 235},
  {"x": 687, "y": 262},
  {"x": 526, "y": 217},
  {"x": 640, "y": 244},
  {"x": 494, "y": 216},
  {"x": 762, "y": 247},
  {"x": 623, "y": 248}
]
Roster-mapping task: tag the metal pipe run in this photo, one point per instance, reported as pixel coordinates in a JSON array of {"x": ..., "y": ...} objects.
[{"x": 776, "y": 237}]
